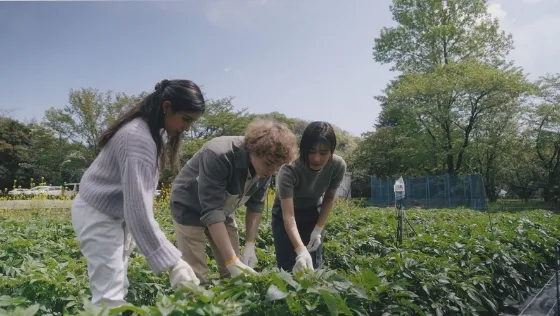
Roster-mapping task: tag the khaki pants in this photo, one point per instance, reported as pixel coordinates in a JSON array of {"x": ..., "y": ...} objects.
[{"x": 191, "y": 241}]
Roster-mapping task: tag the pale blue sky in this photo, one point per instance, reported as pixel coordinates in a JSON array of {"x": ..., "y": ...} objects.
[{"x": 297, "y": 57}]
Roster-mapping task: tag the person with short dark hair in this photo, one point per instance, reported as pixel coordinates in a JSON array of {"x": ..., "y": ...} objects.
[
  {"x": 227, "y": 172},
  {"x": 305, "y": 195},
  {"x": 113, "y": 212}
]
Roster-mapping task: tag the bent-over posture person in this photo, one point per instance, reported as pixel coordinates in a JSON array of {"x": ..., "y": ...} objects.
[
  {"x": 227, "y": 172},
  {"x": 114, "y": 210},
  {"x": 305, "y": 194}
]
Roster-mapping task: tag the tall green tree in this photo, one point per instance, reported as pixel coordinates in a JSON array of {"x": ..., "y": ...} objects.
[
  {"x": 493, "y": 143},
  {"x": 433, "y": 33},
  {"x": 380, "y": 154},
  {"x": 15, "y": 142},
  {"x": 545, "y": 119},
  {"x": 220, "y": 119},
  {"x": 523, "y": 175},
  {"x": 88, "y": 113},
  {"x": 453, "y": 75},
  {"x": 452, "y": 101},
  {"x": 48, "y": 154}
]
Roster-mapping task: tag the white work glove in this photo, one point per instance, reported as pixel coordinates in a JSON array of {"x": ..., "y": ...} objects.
[
  {"x": 315, "y": 239},
  {"x": 303, "y": 260},
  {"x": 249, "y": 257},
  {"x": 237, "y": 267},
  {"x": 181, "y": 274}
]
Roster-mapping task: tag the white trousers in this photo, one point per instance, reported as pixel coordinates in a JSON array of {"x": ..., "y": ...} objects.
[{"x": 106, "y": 243}]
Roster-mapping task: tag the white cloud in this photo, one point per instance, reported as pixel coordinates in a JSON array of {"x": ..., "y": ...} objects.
[
  {"x": 537, "y": 46},
  {"x": 495, "y": 9},
  {"x": 227, "y": 69},
  {"x": 532, "y": 1},
  {"x": 535, "y": 40}
]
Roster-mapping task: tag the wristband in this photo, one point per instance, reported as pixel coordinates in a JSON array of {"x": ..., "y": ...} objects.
[
  {"x": 231, "y": 260},
  {"x": 299, "y": 246}
]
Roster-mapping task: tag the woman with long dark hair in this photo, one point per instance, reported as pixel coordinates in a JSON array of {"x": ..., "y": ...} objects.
[
  {"x": 305, "y": 194},
  {"x": 113, "y": 212}
]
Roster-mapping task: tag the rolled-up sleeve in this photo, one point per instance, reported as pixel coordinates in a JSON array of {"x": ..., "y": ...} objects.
[
  {"x": 212, "y": 183},
  {"x": 256, "y": 201}
]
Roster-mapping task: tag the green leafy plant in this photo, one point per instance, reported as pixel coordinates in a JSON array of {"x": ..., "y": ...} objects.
[{"x": 457, "y": 264}]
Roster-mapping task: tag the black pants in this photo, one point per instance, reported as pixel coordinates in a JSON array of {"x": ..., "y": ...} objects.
[{"x": 306, "y": 218}]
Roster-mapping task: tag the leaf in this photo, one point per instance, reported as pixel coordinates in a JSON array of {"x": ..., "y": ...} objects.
[
  {"x": 330, "y": 301},
  {"x": 274, "y": 293},
  {"x": 128, "y": 307}
]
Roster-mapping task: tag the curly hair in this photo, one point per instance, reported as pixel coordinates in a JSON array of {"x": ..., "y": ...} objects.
[{"x": 268, "y": 138}]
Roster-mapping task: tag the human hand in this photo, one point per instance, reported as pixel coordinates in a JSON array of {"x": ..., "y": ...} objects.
[
  {"x": 249, "y": 257},
  {"x": 236, "y": 267},
  {"x": 181, "y": 274},
  {"x": 315, "y": 239},
  {"x": 303, "y": 260}
]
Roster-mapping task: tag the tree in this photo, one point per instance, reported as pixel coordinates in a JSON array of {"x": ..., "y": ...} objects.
[
  {"x": 14, "y": 146},
  {"x": 345, "y": 142},
  {"x": 47, "y": 156},
  {"x": 495, "y": 140},
  {"x": 451, "y": 101},
  {"x": 222, "y": 119},
  {"x": 73, "y": 166},
  {"x": 450, "y": 55},
  {"x": 378, "y": 154},
  {"x": 219, "y": 119},
  {"x": 522, "y": 173},
  {"x": 434, "y": 33},
  {"x": 545, "y": 121},
  {"x": 296, "y": 125},
  {"x": 5, "y": 112},
  {"x": 89, "y": 113}
]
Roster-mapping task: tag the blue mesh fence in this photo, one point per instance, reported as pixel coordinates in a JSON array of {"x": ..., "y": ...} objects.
[{"x": 432, "y": 192}]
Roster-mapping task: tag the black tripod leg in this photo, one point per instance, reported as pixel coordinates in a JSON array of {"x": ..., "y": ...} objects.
[
  {"x": 399, "y": 226},
  {"x": 410, "y": 225}
]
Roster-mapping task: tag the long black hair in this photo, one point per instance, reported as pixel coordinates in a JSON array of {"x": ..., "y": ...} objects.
[
  {"x": 184, "y": 95},
  {"x": 316, "y": 133}
]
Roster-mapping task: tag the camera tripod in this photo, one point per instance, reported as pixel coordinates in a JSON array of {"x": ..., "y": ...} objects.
[{"x": 401, "y": 217}]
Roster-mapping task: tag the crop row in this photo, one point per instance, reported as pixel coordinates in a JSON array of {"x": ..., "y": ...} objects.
[{"x": 460, "y": 262}]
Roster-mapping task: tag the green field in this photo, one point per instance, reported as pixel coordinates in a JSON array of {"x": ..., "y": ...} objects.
[{"x": 458, "y": 264}]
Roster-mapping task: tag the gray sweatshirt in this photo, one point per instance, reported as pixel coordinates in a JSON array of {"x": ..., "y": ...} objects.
[
  {"x": 121, "y": 182},
  {"x": 215, "y": 182}
]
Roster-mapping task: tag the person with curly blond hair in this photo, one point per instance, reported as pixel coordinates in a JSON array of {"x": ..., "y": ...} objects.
[{"x": 227, "y": 172}]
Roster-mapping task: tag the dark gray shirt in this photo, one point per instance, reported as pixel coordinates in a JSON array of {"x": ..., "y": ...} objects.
[
  {"x": 215, "y": 182},
  {"x": 307, "y": 186}
]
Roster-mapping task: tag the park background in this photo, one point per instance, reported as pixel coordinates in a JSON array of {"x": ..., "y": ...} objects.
[{"x": 460, "y": 97}]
